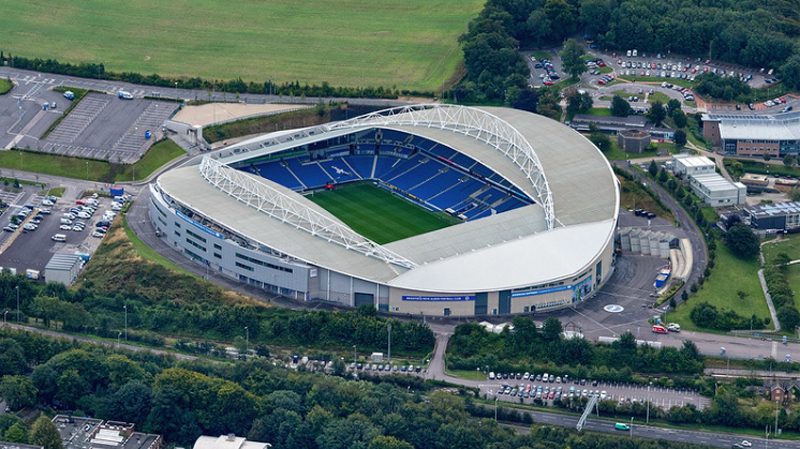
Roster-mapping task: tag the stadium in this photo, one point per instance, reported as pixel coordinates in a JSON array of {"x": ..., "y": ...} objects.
[{"x": 428, "y": 209}]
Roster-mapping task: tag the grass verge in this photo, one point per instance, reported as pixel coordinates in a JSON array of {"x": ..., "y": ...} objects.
[
  {"x": 147, "y": 253},
  {"x": 159, "y": 154},
  {"x": 79, "y": 94},
  {"x": 731, "y": 276},
  {"x": 5, "y": 86}
]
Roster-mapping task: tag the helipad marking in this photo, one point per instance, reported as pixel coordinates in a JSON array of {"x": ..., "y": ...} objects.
[{"x": 613, "y": 308}]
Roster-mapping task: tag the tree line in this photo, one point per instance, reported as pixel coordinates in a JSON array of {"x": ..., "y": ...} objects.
[
  {"x": 160, "y": 302},
  {"x": 237, "y": 86},
  {"x": 528, "y": 348},
  {"x": 750, "y": 33},
  {"x": 184, "y": 399}
]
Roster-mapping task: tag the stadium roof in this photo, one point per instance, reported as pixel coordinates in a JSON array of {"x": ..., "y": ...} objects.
[
  {"x": 514, "y": 248},
  {"x": 757, "y": 127}
]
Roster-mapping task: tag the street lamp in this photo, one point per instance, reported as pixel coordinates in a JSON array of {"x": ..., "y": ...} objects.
[
  {"x": 126, "y": 321},
  {"x": 495, "y": 407},
  {"x": 477, "y": 373},
  {"x": 246, "y": 340},
  {"x": 87, "y": 170},
  {"x": 4, "y": 316},
  {"x": 631, "y": 427},
  {"x": 118, "y": 335},
  {"x": 355, "y": 357},
  {"x": 17, "y": 288}
]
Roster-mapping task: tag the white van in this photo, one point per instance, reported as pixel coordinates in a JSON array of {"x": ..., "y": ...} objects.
[
  {"x": 66, "y": 221},
  {"x": 59, "y": 238}
]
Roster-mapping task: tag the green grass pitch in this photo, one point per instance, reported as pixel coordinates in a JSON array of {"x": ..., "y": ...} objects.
[
  {"x": 377, "y": 214},
  {"x": 407, "y": 44}
]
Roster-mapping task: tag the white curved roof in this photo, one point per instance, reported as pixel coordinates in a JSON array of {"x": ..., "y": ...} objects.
[{"x": 507, "y": 250}]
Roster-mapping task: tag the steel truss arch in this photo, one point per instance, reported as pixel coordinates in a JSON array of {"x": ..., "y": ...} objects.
[
  {"x": 280, "y": 206},
  {"x": 472, "y": 122}
]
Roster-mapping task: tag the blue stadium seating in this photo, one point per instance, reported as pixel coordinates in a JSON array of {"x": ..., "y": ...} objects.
[
  {"x": 311, "y": 174},
  {"x": 397, "y": 163},
  {"x": 278, "y": 173},
  {"x": 362, "y": 165}
]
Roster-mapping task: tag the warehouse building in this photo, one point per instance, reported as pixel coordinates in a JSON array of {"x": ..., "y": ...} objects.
[
  {"x": 717, "y": 191},
  {"x": 63, "y": 268},
  {"x": 781, "y": 217},
  {"x": 754, "y": 135},
  {"x": 686, "y": 165}
]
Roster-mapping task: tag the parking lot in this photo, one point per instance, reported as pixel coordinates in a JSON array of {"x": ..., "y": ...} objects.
[
  {"x": 31, "y": 249},
  {"x": 517, "y": 388}
]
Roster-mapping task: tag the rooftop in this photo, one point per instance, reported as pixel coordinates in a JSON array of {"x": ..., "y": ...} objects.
[
  {"x": 714, "y": 182},
  {"x": 774, "y": 209},
  {"x": 228, "y": 442},
  {"x": 521, "y": 249},
  {"x": 693, "y": 161},
  {"x": 754, "y": 127}
]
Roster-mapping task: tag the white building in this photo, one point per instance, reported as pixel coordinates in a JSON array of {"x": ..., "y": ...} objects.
[
  {"x": 684, "y": 164},
  {"x": 229, "y": 441},
  {"x": 717, "y": 191}
]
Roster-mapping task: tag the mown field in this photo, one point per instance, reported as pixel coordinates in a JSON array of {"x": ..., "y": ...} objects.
[
  {"x": 377, "y": 214},
  {"x": 410, "y": 44}
]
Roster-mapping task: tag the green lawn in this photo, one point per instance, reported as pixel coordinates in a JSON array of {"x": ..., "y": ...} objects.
[
  {"x": 148, "y": 253},
  {"x": 605, "y": 69},
  {"x": 539, "y": 55},
  {"x": 658, "y": 96},
  {"x": 91, "y": 169},
  {"x": 5, "y": 85},
  {"x": 605, "y": 112},
  {"x": 730, "y": 275},
  {"x": 411, "y": 44},
  {"x": 790, "y": 245},
  {"x": 379, "y": 215},
  {"x": 158, "y": 155},
  {"x": 616, "y": 153}
]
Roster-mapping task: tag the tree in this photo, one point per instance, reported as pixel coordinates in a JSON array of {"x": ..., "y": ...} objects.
[
  {"x": 133, "y": 401},
  {"x": 680, "y": 138},
  {"x": 678, "y": 117},
  {"x": 653, "y": 168},
  {"x": 742, "y": 241},
  {"x": 563, "y": 18},
  {"x": 579, "y": 103},
  {"x": 767, "y": 157},
  {"x": 44, "y": 433},
  {"x": 12, "y": 358},
  {"x": 571, "y": 58},
  {"x": 790, "y": 72},
  {"x": 794, "y": 194},
  {"x": 17, "y": 433},
  {"x": 600, "y": 139},
  {"x": 18, "y": 391},
  {"x": 789, "y": 317},
  {"x": 388, "y": 442},
  {"x": 552, "y": 329},
  {"x": 782, "y": 259},
  {"x": 788, "y": 160},
  {"x": 673, "y": 105},
  {"x": 620, "y": 107},
  {"x": 657, "y": 113}
]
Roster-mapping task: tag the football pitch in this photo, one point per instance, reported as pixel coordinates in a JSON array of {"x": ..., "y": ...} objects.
[
  {"x": 403, "y": 44},
  {"x": 377, "y": 214}
]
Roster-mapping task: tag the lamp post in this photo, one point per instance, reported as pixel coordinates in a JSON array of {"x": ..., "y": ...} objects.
[
  {"x": 4, "y": 316},
  {"x": 118, "y": 335},
  {"x": 126, "y": 321},
  {"x": 176, "y": 92},
  {"x": 17, "y": 289},
  {"x": 631, "y": 427},
  {"x": 389, "y": 348},
  {"x": 246, "y": 340},
  {"x": 495, "y": 407},
  {"x": 355, "y": 357},
  {"x": 477, "y": 373}
]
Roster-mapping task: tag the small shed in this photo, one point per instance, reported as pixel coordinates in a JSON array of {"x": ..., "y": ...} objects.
[{"x": 63, "y": 268}]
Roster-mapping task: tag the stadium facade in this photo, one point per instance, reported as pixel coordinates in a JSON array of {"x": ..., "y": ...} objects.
[{"x": 537, "y": 204}]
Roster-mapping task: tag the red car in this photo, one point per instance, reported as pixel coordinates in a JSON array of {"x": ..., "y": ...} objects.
[
  {"x": 548, "y": 83},
  {"x": 81, "y": 202},
  {"x": 619, "y": 61},
  {"x": 601, "y": 64},
  {"x": 601, "y": 82}
]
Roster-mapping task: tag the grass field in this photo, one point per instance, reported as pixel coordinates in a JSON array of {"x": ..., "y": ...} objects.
[
  {"x": 730, "y": 276},
  {"x": 91, "y": 169},
  {"x": 377, "y": 214},
  {"x": 5, "y": 86},
  {"x": 411, "y": 44}
]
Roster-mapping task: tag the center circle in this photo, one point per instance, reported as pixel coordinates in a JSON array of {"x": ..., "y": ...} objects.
[{"x": 613, "y": 308}]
